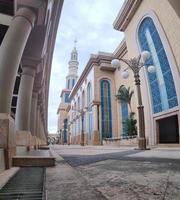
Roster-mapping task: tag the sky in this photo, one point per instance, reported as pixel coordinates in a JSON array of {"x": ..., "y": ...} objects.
[{"x": 90, "y": 22}]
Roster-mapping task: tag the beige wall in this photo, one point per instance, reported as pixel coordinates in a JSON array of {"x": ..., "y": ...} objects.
[
  {"x": 83, "y": 87},
  {"x": 62, "y": 115},
  {"x": 166, "y": 21},
  {"x": 99, "y": 75},
  {"x": 94, "y": 77}
]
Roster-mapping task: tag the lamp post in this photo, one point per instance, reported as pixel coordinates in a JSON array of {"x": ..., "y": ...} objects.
[{"x": 135, "y": 64}]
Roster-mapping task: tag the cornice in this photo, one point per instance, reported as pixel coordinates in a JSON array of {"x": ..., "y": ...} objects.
[
  {"x": 121, "y": 50},
  {"x": 95, "y": 59},
  {"x": 64, "y": 91},
  {"x": 95, "y": 102},
  {"x": 126, "y": 14}
]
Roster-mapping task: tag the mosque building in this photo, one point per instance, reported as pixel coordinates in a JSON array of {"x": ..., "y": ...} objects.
[
  {"x": 71, "y": 79},
  {"x": 96, "y": 116}
]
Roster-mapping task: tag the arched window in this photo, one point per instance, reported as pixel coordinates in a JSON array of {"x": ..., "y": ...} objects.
[
  {"x": 73, "y": 82},
  {"x": 75, "y": 121},
  {"x": 78, "y": 104},
  {"x": 124, "y": 114},
  {"x": 68, "y": 86},
  {"x": 83, "y": 106},
  {"x": 89, "y": 94},
  {"x": 161, "y": 83},
  {"x": 106, "y": 115},
  {"x": 83, "y": 100},
  {"x": 65, "y": 130},
  {"x": 89, "y": 112}
]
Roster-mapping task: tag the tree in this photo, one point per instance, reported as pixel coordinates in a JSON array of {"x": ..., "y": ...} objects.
[
  {"x": 130, "y": 124},
  {"x": 125, "y": 95}
]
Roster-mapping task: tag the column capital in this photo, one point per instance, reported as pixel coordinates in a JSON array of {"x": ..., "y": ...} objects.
[
  {"x": 26, "y": 13},
  {"x": 29, "y": 62},
  {"x": 29, "y": 71},
  {"x": 29, "y": 66},
  {"x": 96, "y": 103}
]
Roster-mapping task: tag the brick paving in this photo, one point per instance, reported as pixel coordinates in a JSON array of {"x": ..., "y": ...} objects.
[{"x": 114, "y": 174}]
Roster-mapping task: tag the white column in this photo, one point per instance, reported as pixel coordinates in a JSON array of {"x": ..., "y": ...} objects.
[
  {"x": 95, "y": 118},
  {"x": 96, "y": 134},
  {"x": 11, "y": 51},
  {"x": 38, "y": 125},
  {"x": 33, "y": 113},
  {"x": 23, "y": 111}
]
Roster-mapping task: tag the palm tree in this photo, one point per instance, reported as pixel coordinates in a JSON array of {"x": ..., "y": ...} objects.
[
  {"x": 125, "y": 95},
  {"x": 130, "y": 124}
]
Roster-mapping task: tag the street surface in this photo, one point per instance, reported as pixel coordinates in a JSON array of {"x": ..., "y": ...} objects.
[{"x": 113, "y": 173}]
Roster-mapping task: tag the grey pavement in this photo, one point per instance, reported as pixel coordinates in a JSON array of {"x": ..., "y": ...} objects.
[{"x": 113, "y": 173}]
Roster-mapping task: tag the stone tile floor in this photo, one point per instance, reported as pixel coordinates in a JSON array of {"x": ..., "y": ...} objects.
[{"x": 90, "y": 173}]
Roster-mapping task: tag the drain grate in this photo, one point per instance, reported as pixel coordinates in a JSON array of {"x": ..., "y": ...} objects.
[{"x": 27, "y": 184}]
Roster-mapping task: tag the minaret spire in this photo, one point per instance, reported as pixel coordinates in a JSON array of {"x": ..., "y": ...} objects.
[
  {"x": 75, "y": 41},
  {"x": 72, "y": 76}
]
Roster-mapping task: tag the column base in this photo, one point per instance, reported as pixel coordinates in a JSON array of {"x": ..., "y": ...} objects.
[
  {"x": 85, "y": 139},
  {"x": 23, "y": 140},
  {"x": 82, "y": 139},
  {"x": 142, "y": 143},
  {"x": 33, "y": 142},
  {"x": 7, "y": 138},
  {"x": 96, "y": 138}
]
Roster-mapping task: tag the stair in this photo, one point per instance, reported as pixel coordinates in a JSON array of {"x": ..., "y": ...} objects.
[{"x": 34, "y": 158}]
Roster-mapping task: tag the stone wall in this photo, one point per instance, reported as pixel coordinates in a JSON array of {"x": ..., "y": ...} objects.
[
  {"x": 121, "y": 142},
  {"x": 2, "y": 163}
]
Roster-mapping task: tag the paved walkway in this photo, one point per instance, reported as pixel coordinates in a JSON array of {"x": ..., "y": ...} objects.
[{"x": 112, "y": 173}]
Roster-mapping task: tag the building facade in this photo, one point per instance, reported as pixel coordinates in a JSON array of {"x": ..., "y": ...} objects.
[
  {"x": 62, "y": 111},
  {"x": 99, "y": 115}
]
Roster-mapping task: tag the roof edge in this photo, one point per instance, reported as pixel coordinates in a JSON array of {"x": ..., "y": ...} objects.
[
  {"x": 125, "y": 14},
  {"x": 94, "y": 59},
  {"x": 120, "y": 50}
]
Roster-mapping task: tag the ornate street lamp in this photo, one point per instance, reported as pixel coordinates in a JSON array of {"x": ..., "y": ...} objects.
[{"x": 135, "y": 64}]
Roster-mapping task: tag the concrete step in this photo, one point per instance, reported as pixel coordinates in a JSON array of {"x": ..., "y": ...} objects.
[
  {"x": 34, "y": 158},
  {"x": 168, "y": 145},
  {"x": 44, "y": 147},
  {"x": 20, "y": 161}
]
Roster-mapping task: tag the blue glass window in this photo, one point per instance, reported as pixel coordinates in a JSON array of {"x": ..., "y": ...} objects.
[
  {"x": 163, "y": 93},
  {"x": 79, "y": 117},
  {"x": 65, "y": 130},
  {"x": 83, "y": 106},
  {"x": 67, "y": 98},
  {"x": 89, "y": 94},
  {"x": 89, "y": 112},
  {"x": 124, "y": 113},
  {"x": 106, "y": 115},
  {"x": 68, "y": 84},
  {"x": 73, "y": 82}
]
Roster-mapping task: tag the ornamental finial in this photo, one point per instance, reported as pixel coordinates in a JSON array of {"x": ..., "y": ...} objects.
[{"x": 75, "y": 41}]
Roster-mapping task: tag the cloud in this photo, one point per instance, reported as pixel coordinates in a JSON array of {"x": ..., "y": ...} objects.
[{"x": 90, "y": 22}]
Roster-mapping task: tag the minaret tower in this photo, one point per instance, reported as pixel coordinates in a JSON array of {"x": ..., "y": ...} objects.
[
  {"x": 72, "y": 76},
  {"x": 71, "y": 79}
]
